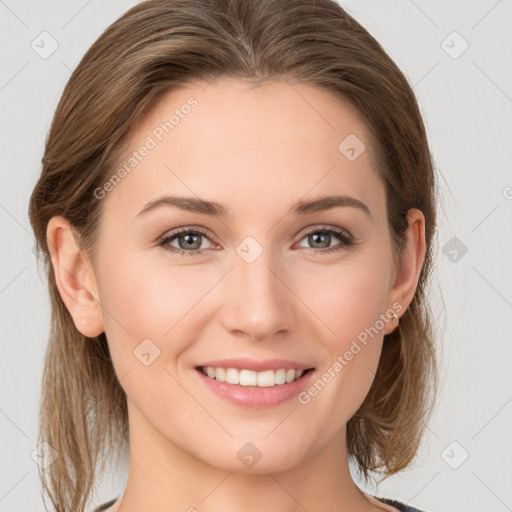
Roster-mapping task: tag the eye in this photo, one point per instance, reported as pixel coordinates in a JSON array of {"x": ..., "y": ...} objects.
[
  {"x": 188, "y": 240},
  {"x": 321, "y": 239}
]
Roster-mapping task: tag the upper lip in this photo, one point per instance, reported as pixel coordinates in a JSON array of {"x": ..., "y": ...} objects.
[{"x": 257, "y": 365}]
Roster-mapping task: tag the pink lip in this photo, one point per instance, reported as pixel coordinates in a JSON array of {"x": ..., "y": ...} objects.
[
  {"x": 255, "y": 365},
  {"x": 253, "y": 396}
]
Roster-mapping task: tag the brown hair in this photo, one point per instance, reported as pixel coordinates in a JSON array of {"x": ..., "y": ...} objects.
[{"x": 158, "y": 46}]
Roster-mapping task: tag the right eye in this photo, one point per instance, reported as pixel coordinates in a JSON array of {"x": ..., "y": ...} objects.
[{"x": 188, "y": 240}]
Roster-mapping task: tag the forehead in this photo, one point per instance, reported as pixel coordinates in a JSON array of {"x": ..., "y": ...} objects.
[{"x": 248, "y": 144}]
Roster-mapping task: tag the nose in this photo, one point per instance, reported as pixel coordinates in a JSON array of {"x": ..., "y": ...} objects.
[{"x": 258, "y": 301}]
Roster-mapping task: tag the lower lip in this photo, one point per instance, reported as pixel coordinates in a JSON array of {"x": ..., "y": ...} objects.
[{"x": 253, "y": 396}]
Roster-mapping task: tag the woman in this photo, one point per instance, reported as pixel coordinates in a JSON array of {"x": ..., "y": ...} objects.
[{"x": 237, "y": 211}]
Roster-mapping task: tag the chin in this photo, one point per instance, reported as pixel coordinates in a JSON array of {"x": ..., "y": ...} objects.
[{"x": 257, "y": 457}]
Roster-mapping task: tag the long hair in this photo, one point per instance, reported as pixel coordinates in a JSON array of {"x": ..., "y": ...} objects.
[{"x": 159, "y": 46}]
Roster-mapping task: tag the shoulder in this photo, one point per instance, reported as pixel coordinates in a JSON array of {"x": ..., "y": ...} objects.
[
  {"x": 105, "y": 506},
  {"x": 398, "y": 505}
]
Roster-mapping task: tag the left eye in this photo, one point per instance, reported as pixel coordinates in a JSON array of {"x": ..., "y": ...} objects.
[
  {"x": 320, "y": 237},
  {"x": 190, "y": 243}
]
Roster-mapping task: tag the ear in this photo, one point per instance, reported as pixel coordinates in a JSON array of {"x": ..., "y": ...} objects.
[
  {"x": 408, "y": 272},
  {"x": 75, "y": 278}
]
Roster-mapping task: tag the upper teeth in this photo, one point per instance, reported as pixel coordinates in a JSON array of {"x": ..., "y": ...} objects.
[{"x": 267, "y": 378}]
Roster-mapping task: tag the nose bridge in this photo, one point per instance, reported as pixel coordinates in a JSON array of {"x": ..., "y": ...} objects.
[{"x": 258, "y": 303}]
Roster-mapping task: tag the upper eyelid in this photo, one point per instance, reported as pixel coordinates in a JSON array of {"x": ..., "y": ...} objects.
[{"x": 186, "y": 229}]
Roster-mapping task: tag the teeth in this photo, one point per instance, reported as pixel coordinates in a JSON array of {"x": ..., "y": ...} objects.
[
  {"x": 246, "y": 378},
  {"x": 265, "y": 379},
  {"x": 232, "y": 376}
]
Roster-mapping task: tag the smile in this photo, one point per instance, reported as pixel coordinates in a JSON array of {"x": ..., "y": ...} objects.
[{"x": 255, "y": 388}]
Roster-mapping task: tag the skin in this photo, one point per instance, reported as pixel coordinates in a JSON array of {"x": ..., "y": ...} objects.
[{"x": 256, "y": 151}]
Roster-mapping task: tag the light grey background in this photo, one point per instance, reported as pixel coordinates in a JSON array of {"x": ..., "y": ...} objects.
[{"x": 467, "y": 105}]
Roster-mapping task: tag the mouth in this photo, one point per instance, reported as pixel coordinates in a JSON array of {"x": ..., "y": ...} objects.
[
  {"x": 251, "y": 378},
  {"x": 255, "y": 389}
]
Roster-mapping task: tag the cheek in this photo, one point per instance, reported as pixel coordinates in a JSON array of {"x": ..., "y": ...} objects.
[
  {"x": 151, "y": 298},
  {"x": 141, "y": 300},
  {"x": 348, "y": 298}
]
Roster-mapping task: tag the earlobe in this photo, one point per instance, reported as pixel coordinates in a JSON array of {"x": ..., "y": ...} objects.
[
  {"x": 411, "y": 261},
  {"x": 74, "y": 277}
]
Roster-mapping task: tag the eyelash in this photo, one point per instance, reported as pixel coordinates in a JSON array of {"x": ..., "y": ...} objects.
[{"x": 346, "y": 239}]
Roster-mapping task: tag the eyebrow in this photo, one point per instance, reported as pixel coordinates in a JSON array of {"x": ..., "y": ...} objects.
[{"x": 196, "y": 205}]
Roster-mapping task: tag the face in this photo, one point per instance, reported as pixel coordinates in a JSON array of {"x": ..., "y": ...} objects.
[{"x": 253, "y": 277}]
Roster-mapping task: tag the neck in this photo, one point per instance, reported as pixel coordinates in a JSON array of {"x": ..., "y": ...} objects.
[{"x": 161, "y": 476}]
